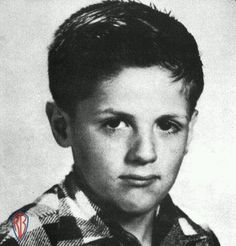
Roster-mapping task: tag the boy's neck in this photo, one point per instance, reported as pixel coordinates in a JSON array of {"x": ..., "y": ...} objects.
[{"x": 140, "y": 226}]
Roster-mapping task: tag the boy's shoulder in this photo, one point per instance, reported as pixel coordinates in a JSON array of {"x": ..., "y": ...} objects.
[
  {"x": 180, "y": 229},
  {"x": 55, "y": 218},
  {"x": 37, "y": 219}
]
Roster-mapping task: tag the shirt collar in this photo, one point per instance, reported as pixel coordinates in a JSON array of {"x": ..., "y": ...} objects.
[{"x": 80, "y": 213}]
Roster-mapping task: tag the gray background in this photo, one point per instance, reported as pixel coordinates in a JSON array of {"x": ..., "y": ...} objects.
[{"x": 30, "y": 160}]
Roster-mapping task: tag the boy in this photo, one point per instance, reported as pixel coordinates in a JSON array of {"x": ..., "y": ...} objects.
[{"x": 125, "y": 79}]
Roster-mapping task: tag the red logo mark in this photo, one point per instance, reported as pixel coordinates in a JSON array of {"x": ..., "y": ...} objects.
[{"x": 20, "y": 223}]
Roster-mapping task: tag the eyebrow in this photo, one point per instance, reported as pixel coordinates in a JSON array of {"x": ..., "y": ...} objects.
[
  {"x": 172, "y": 116},
  {"x": 131, "y": 117},
  {"x": 115, "y": 112}
]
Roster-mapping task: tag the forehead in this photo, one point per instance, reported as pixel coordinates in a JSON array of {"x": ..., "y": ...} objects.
[{"x": 140, "y": 91}]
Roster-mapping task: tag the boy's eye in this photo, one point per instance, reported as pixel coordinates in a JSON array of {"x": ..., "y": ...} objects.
[
  {"x": 169, "y": 126},
  {"x": 115, "y": 124}
]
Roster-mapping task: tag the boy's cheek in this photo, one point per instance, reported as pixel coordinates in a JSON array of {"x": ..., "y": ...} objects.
[
  {"x": 106, "y": 145},
  {"x": 172, "y": 146}
]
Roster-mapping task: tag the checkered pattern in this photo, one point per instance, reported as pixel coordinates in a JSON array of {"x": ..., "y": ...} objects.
[{"x": 64, "y": 216}]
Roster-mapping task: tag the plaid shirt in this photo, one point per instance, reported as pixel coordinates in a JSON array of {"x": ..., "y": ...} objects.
[{"x": 65, "y": 216}]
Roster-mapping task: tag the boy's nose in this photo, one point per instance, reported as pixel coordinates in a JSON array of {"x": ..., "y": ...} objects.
[{"x": 142, "y": 150}]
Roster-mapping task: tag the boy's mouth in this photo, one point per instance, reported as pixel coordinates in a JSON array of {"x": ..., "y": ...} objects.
[{"x": 139, "y": 180}]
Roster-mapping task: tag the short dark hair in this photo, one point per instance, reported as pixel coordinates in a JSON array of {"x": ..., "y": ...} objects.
[{"x": 99, "y": 40}]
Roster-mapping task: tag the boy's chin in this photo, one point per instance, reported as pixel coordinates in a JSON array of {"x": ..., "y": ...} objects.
[{"x": 140, "y": 207}]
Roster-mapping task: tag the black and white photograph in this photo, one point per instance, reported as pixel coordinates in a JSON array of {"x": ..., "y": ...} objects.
[{"x": 117, "y": 122}]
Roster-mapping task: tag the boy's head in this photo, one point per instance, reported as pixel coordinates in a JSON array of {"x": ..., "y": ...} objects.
[
  {"x": 100, "y": 40},
  {"x": 125, "y": 78}
]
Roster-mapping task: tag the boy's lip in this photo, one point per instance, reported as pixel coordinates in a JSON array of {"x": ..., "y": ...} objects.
[
  {"x": 138, "y": 177},
  {"x": 139, "y": 180}
]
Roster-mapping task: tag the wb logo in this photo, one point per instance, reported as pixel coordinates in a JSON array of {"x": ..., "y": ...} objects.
[{"x": 20, "y": 223}]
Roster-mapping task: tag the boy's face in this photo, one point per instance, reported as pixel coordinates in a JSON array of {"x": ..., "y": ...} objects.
[{"x": 130, "y": 137}]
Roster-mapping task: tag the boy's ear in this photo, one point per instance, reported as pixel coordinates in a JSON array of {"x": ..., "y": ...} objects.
[
  {"x": 60, "y": 124},
  {"x": 191, "y": 127}
]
